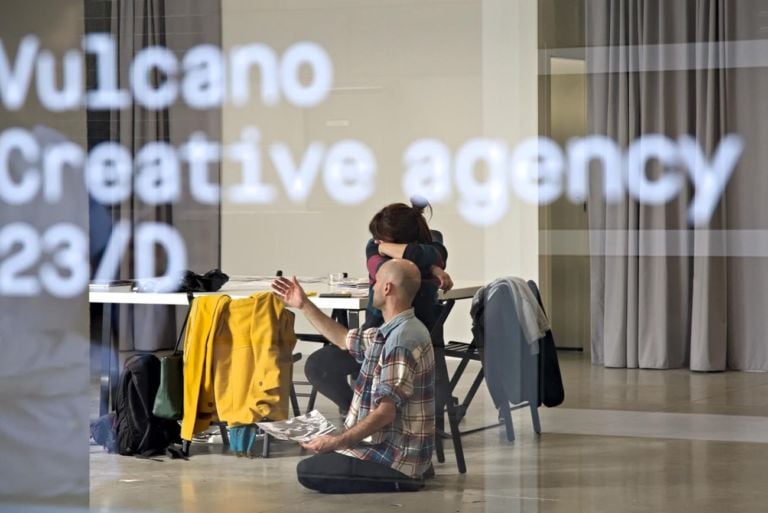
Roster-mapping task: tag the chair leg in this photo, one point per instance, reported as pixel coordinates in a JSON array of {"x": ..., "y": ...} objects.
[
  {"x": 311, "y": 402},
  {"x": 445, "y": 403},
  {"x": 506, "y": 417},
  {"x": 265, "y": 446},
  {"x": 439, "y": 429},
  {"x": 453, "y": 421},
  {"x": 442, "y": 397},
  {"x": 471, "y": 394},
  {"x": 224, "y": 434},
  {"x": 458, "y": 373},
  {"x": 535, "y": 418},
  {"x": 294, "y": 402}
]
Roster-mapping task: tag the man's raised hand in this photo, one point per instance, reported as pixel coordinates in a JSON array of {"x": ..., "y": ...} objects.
[{"x": 290, "y": 292}]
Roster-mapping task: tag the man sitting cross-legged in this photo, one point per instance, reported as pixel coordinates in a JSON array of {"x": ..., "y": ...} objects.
[{"x": 389, "y": 430}]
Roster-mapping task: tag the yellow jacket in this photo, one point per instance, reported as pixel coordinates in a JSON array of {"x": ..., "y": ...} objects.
[{"x": 238, "y": 363}]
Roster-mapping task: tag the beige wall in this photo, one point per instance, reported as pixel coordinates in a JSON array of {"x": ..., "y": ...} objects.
[{"x": 453, "y": 70}]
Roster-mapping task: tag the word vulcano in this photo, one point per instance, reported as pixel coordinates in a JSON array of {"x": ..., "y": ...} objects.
[{"x": 204, "y": 77}]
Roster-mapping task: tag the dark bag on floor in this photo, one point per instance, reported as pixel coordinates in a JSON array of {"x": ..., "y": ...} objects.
[
  {"x": 169, "y": 401},
  {"x": 139, "y": 432}
]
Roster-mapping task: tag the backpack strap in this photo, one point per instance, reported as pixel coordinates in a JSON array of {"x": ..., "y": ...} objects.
[
  {"x": 148, "y": 455},
  {"x": 133, "y": 357},
  {"x": 175, "y": 453},
  {"x": 190, "y": 298}
]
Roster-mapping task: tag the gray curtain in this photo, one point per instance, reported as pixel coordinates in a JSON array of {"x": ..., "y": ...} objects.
[
  {"x": 177, "y": 25},
  {"x": 138, "y": 24},
  {"x": 687, "y": 300}
]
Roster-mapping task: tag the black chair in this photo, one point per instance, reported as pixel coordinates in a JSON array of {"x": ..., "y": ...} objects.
[{"x": 444, "y": 402}]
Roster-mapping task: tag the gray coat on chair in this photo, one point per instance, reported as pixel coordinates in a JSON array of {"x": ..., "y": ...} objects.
[{"x": 510, "y": 361}]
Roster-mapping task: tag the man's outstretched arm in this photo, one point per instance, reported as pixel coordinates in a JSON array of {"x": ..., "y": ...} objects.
[{"x": 294, "y": 296}]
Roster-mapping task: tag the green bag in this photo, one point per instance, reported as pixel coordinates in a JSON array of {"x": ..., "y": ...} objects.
[{"x": 169, "y": 401}]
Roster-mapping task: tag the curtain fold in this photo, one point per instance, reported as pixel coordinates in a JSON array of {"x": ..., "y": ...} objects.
[
  {"x": 745, "y": 199},
  {"x": 177, "y": 25},
  {"x": 136, "y": 25},
  {"x": 668, "y": 311},
  {"x": 709, "y": 305}
]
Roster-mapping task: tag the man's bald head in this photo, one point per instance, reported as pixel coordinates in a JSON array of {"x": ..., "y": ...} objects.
[{"x": 404, "y": 275}]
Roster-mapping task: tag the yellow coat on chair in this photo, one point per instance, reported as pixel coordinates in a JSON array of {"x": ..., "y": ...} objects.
[{"x": 238, "y": 361}]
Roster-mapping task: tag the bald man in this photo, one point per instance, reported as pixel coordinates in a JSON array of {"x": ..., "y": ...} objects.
[{"x": 390, "y": 428}]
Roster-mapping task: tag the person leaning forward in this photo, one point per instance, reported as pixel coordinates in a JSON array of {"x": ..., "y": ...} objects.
[{"x": 389, "y": 429}]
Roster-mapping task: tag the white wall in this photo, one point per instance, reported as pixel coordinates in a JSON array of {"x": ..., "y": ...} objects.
[{"x": 404, "y": 70}]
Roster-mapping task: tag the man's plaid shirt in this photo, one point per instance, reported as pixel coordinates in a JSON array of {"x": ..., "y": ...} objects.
[{"x": 397, "y": 362}]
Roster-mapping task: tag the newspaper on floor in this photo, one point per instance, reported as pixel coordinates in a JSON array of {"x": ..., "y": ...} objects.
[{"x": 300, "y": 429}]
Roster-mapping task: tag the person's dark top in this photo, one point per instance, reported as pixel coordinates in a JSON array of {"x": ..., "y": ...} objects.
[{"x": 424, "y": 255}]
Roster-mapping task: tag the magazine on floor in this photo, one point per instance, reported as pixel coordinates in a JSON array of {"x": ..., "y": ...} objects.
[{"x": 299, "y": 429}]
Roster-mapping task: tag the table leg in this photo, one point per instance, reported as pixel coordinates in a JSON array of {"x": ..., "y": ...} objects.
[
  {"x": 106, "y": 358},
  {"x": 114, "y": 375},
  {"x": 340, "y": 316},
  {"x": 353, "y": 319}
]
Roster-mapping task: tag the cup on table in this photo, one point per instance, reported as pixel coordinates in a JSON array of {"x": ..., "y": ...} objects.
[{"x": 335, "y": 278}]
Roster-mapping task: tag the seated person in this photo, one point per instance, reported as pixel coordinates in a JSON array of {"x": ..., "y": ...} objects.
[
  {"x": 398, "y": 231},
  {"x": 390, "y": 428}
]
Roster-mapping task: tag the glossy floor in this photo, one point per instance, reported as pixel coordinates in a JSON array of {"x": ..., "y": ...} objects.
[{"x": 625, "y": 440}]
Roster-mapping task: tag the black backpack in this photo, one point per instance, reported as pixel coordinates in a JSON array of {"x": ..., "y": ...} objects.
[{"x": 139, "y": 432}]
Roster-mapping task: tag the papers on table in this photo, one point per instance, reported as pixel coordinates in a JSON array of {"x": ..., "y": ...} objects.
[
  {"x": 355, "y": 287},
  {"x": 352, "y": 284},
  {"x": 256, "y": 283},
  {"x": 117, "y": 285},
  {"x": 299, "y": 429},
  {"x": 270, "y": 279}
]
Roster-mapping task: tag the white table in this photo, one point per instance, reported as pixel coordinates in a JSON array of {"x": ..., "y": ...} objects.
[
  {"x": 344, "y": 309},
  {"x": 123, "y": 295}
]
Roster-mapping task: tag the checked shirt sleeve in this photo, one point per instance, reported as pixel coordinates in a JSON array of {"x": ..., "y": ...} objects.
[
  {"x": 358, "y": 342},
  {"x": 398, "y": 372}
]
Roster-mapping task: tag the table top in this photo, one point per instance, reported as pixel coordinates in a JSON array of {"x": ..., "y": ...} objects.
[{"x": 242, "y": 289}]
